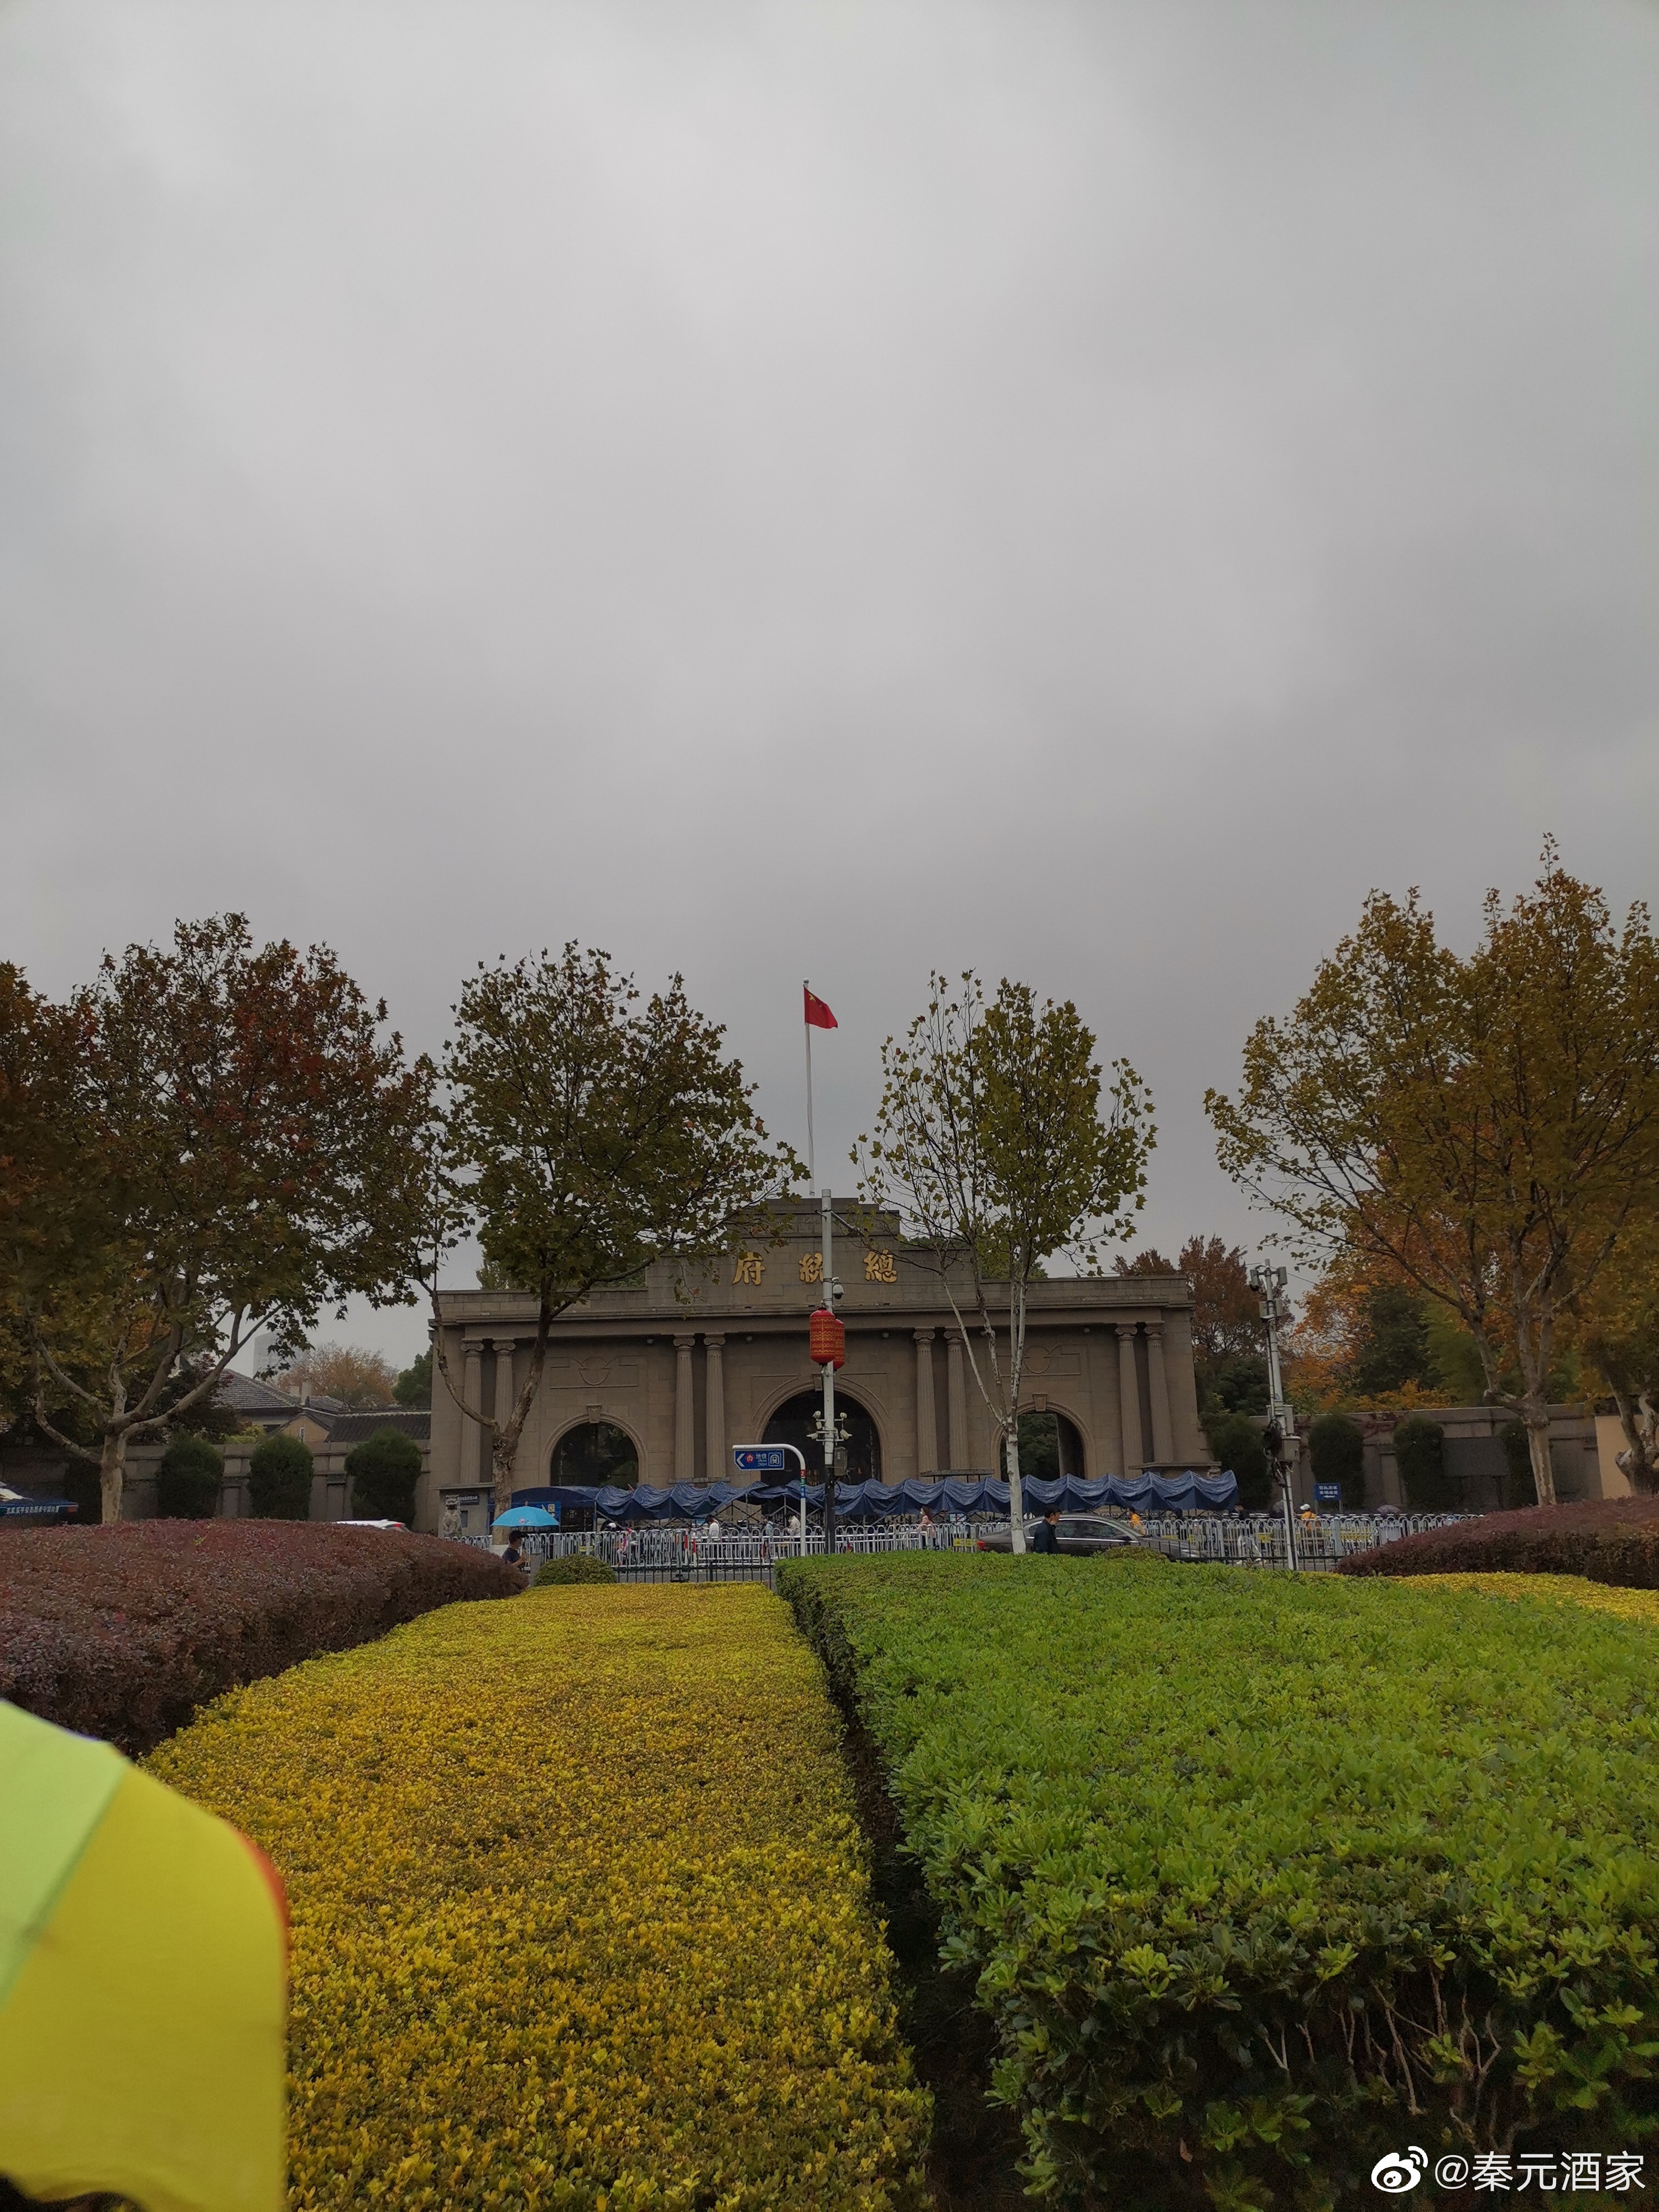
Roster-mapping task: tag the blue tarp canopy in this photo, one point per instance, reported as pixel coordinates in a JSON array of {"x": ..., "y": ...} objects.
[
  {"x": 14, "y": 1505},
  {"x": 877, "y": 1501},
  {"x": 685, "y": 1502}
]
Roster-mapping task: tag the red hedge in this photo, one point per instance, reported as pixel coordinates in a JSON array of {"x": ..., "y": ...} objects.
[
  {"x": 121, "y": 1632},
  {"x": 1606, "y": 1539}
]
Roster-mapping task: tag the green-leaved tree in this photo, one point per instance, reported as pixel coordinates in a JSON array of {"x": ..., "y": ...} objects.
[
  {"x": 588, "y": 1132},
  {"x": 995, "y": 1143}
]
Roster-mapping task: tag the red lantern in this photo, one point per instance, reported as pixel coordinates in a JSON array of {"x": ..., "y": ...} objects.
[{"x": 827, "y": 1342}]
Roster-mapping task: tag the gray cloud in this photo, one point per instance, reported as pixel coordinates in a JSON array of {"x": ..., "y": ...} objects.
[{"x": 1082, "y": 490}]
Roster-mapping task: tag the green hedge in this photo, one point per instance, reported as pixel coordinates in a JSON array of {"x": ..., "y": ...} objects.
[
  {"x": 1419, "y": 1454},
  {"x": 188, "y": 1480},
  {"x": 1263, "y": 1876},
  {"x": 1336, "y": 1447},
  {"x": 1236, "y": 1443},
  {"x": 279, "y": 1469},
  {"x": 383, "y": 1471},
  {"x": 577, "y": 1568}
]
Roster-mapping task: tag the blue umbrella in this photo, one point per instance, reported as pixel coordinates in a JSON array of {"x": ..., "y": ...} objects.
[{"x": 525, "y": 1516}]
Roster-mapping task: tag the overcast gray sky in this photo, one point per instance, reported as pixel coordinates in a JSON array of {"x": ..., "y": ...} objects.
[{"x": 827, "y": 487}]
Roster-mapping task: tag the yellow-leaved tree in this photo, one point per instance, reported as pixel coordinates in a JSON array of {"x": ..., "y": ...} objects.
[{"x": 1486, "y": 1128}]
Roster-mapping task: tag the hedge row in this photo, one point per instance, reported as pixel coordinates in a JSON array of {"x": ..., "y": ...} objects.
[
  {"x": 121, "y": 1632},
  {"x": 579, "y": 1913},
  {"x": 1605, "y": 1540},
  {"x": 1553, "y": 1589},
  {"x": 1264, "y": 1876}
]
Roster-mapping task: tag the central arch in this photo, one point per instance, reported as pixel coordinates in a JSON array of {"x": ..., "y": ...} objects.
[
  {"x": 1049, "y": 1446},
  {"x": 593, "y": 1453},
  {"x": 791, "y": 1424}
]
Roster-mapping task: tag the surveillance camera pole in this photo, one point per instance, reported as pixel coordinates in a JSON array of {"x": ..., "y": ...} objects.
[{"x": 1269, "y": 1283}]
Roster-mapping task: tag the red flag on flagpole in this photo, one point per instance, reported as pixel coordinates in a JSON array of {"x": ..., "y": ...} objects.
[{"x": 819, "y": 1016}]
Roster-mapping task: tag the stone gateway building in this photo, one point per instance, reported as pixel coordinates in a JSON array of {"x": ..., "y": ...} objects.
[{"x": 655, "y": 1383}]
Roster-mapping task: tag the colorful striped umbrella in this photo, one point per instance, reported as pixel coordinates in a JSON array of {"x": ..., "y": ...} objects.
[{"x": 142, "y": 1986}]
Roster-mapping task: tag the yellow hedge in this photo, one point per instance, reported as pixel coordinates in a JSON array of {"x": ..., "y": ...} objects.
[
  {"x": 580, "y": 1912},
  {"x": 1559, "y": 1589}
]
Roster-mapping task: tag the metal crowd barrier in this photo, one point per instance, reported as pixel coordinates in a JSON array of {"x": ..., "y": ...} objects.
[{"x": 685, "y": 1551}]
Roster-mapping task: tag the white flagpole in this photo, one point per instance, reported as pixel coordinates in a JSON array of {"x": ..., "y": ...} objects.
[{"x": 812, "y": 1173}]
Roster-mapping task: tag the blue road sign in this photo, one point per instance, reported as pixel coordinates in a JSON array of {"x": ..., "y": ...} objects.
[
  {"x": 1327, "y": 1493},
  {"x": 760, "y": 1458}
]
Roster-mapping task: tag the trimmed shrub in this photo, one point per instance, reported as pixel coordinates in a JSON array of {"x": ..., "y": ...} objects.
[
  {"x": 1263, "y": 1876},
  {"x": 580, "y": 1914},
  {"x": 1336, "y": 1447},
  {"x": 121, "y": 1632},
  {"x": 579, "y": 1567},
  {"x": 383, "y": 1471},
  {"x": 279, "y": 1470},
  {"x": 1520, "y": 1489},
  {"x": 1236, "y": 1443},
  {"x": 1420, "y": 1454},
  {"x": 187, "y": 1480},
  {"x": 1606, "y": 1539}
]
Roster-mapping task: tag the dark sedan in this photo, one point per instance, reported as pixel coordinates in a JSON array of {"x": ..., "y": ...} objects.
[{"x": 1081, "y": 1534}]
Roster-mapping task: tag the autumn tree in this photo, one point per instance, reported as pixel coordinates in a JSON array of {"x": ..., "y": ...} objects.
[
  {"x": 1618, "y": 1331},
  {"x": 1484, "y": 1129},
  {"x": 241, "y": 1149},
  {"x": 991, "y": 1143},
  {"x": 588, "y": 1132},
  {"x": 1226, "y": 1324},
  {"x": 44, "y": 1202},
  {"x": 359, "y": 1379}
]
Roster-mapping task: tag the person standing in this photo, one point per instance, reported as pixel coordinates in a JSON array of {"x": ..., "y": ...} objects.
[{"x": 1046, "y": 1535}]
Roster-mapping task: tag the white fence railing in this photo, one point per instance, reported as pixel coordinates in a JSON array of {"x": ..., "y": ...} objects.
[{"x": 1249, "y": 1540}]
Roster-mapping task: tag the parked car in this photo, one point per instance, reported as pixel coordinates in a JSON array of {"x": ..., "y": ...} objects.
[{"x": 1081, "y": 1534}]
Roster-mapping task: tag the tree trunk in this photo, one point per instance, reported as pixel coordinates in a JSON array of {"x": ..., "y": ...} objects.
[
  {"x": 1639, "y": 1460},
  {"x": 1538, "y": 1446},
  {"x": 112, "y": 1473},
  {"x": 1016, "y": 1491},
  {"x": 506, "y": 1451}
]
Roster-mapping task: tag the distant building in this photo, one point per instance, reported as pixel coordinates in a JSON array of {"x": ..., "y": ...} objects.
[
  {"x": 657, "y": 1381},
  {"x": 260, "y": 1405}
]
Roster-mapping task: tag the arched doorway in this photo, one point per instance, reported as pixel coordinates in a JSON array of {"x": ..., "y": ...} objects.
[
  {"x": 1050, "y": 1447},
  {"x": 595, "y": 1453},
  {"x": 793, "y": 1422}
]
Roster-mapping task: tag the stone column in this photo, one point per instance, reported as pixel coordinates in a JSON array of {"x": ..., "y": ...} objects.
[
  {"x": 957, "y": 1394},
  {"x": 1128, "y": 1392},
  {"x": 472, "y": 1393},
  {"x": 1163, "y": 1443},
  {"x": 685, "y": 1431},
  {"x": 927, "y": 1425},
  {"x": 719, "y": 1470}
]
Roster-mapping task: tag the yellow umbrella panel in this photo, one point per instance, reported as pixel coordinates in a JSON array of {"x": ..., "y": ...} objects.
[{"x": 142, "y": 1986}]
